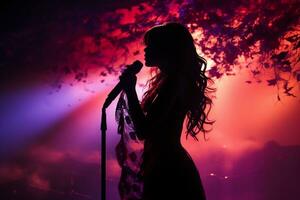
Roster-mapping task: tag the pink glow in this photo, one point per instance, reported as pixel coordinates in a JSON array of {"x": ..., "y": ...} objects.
[{"x": 51, "y": 137}]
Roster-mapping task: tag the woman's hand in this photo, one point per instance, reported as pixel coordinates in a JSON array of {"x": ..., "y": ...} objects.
[{"x": 128, "y": 81}]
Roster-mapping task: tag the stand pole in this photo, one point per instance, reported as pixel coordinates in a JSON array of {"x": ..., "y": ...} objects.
[{"x": 103, "y": 154}]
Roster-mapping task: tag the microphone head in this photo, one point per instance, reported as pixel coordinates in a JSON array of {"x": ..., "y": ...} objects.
[{"x": 135, "y": 67}]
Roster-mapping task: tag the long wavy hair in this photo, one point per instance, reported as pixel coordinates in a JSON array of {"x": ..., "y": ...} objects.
[{"x": 176, "y": 44}]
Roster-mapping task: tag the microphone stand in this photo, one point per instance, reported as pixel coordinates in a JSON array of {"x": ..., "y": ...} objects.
[
  {"x": 107, "y": 102},
  {"x": 103, "y": 154}
]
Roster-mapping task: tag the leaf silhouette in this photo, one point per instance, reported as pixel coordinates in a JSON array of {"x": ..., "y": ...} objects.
[{"x": 272, "y": 82}]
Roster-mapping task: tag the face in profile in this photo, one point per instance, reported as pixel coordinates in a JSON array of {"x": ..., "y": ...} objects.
[{"x": 151, "y": 56}]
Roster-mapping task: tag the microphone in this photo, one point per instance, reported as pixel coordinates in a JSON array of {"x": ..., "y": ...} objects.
[{"x": 133, "y": 69}]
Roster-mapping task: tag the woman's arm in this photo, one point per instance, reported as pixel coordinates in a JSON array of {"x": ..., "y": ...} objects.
[
  {"x": 136, "y": 113},
  {"x": 138, "y": 118}
]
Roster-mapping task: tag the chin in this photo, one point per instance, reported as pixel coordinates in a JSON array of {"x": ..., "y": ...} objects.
[{"x": 149, "y": 64}]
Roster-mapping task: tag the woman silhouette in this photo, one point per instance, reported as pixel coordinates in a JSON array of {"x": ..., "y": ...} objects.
[{"x": 178, "y": 90}]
